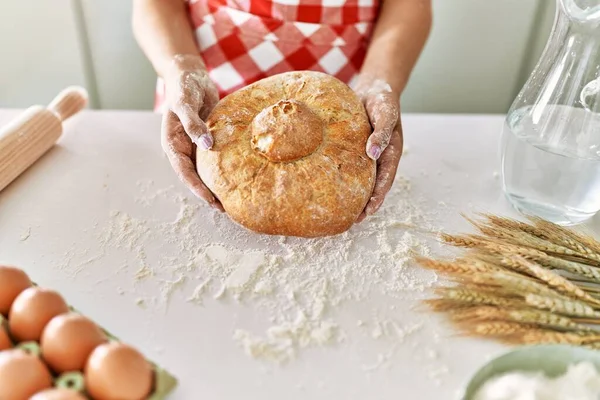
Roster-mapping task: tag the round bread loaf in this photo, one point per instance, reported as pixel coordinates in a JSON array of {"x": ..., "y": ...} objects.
[{"x": 289, "y": 155}]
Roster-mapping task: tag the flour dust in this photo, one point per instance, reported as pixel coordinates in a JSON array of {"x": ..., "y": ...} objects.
[{"x": 301, "y": 285}]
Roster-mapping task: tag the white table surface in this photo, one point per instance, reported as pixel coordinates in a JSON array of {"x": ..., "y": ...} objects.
[{"x": 49, "y": 223}]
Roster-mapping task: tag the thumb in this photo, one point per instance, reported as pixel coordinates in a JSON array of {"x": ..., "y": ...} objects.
[
  {"x": 384, "y": 113},
  {"x": 195, "y": 128},
  {"x": 379, "y": 139}
]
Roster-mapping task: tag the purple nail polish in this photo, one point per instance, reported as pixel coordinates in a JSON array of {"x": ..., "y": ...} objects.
[
  {"x": 205, "y": 142},
  {"x": 374, "y": 152}
]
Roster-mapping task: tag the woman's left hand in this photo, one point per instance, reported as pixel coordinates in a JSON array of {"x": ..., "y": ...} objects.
[{"x": 385, "y": 143}]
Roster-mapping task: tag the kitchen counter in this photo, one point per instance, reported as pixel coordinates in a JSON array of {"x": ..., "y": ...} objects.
[{"x": 103, "y": 219}]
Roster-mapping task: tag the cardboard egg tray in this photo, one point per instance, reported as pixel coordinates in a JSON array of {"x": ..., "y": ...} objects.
[{"x": 164, "y": 382}]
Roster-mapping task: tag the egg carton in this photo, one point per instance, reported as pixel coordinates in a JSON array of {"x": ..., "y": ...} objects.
[{"x": 164, "y": 382}]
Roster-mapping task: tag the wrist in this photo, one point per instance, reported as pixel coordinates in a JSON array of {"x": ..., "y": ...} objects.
[
  {"x": 187, "y": 62},
  {"x": 371, "y": 84}
]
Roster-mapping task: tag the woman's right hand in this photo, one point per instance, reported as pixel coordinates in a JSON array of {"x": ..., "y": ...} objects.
[{"x": 190, "y": 97}]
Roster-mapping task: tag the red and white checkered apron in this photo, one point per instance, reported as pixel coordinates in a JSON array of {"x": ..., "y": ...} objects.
[{"x": 242, "y": 41}]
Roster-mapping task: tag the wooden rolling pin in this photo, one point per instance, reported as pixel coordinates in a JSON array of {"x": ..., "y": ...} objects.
[{"x": 31, "y": 134}]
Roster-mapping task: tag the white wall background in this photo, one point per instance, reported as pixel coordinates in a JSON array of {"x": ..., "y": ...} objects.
[{"x": 476, "y": 59}]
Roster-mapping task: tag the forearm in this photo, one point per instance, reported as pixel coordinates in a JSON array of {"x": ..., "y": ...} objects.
[
  {"x": 398, "y": 39},
  {"x": 162, "y": 30}
]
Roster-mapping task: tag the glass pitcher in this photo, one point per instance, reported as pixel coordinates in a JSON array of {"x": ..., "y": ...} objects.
[{"x": 551, "y": 136}]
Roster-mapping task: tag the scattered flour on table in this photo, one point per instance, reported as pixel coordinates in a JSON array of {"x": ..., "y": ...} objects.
[
  {"x": 25, "y": 235},
  {"x": 302, "y": 285}
]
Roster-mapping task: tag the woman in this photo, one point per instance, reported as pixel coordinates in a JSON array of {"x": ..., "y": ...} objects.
[{"x": 205, "y": 49}]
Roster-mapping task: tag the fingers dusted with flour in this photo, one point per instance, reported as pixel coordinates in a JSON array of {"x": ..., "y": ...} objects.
[
  {"x": 163, "y": 31},
  {"x": 190, "y": 95},
  {"x": 385, "y": 143},
  {"x": 180, "y": 150},
  {"x": 398, "y": 39},
  {"x": 387, "y": 165},
  {"x": 383, "y": 109}
]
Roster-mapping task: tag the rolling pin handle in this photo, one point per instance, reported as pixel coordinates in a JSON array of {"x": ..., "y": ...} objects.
[{"x": 69, "y": 102}]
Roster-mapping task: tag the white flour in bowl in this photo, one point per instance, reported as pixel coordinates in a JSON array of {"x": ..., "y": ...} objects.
[{"x": 580, "y": 382}]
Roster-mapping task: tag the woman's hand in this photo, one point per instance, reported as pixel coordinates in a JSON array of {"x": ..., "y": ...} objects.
[
  {"x": 385, "y": 143},
  {"x": 399, "y": 35},
  {"x": 190, "y": 97}
]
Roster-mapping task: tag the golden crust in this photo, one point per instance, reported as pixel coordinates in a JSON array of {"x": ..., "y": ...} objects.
[{"x": 319, "y": 194}]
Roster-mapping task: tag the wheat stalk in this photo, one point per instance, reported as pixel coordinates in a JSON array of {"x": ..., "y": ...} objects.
[
  {"x": 475, "y": 297},
  {"x": 492, "y": 290},
  {"x": 519, "y": 333},
  {"x": 586, "y": 271},
  {"x": 461, "y": 241},
  {"x": 520, "y": 265},
  {"x": 549, "y": 232},
  {"x": 524, "y": 316},
  {"x": 593, "y": 345},
  {"x": 572, "y": 308},
  {"x": 556, "y": 281},
  {"x": 525, "y": 239},
  {"x": 547, "y": 319},
  {"x": 538, "y": 336},
  {"x": 554, "y": 233},
  {"x": 495, "y": 328},
  {"x": 582, "y": 243},
  {"x": 495, "y": 260},
  {"x": 519, "y": 285},
  {"x": 480, "y": 262},
  {"x": 495, "y": 246},
  {"x": 587, "y": 286},
  {"x": 513, "y": 224},
  {"x": 501, "y": 249},
  {"x": 520, "y": 238},
  {"x": 459, "y": 267},
  {"x": 542, "y": 258},
  {"x": 443, "y": 305},
  {"x": 522, "y": 283},
  {"x": 480, "y": 313}
]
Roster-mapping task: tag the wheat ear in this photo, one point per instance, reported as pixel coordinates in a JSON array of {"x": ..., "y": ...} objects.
[
  {"x": 556, "y": 281},
  {"x": 475, "y": 297},
  {"x": 593, "y": 345},
  {"x": 445, "y": 305},
  {"x": 583, "y": 243},
  {"x": 549, "y": 232},
  {"x": 572, "y": 308},
  {"x": 542, "y": 258},
  {"x": 538, "y": 336},
  {"x": 494, "y": 328},
  {"x": 458, "y": 267},
  {"x": 521, "y": 238},
  {"x": 513, "y": 224},
  {"x": 493, "y": 259},
  {"x": 481, "y": 263},
  {"x": 590, "y": 272},
  {"x": 524, "y": 316},
  {"x": 517, "y": 284},
  {"x": 462, "y": 241},
  {"x": 556, "y": 234}
]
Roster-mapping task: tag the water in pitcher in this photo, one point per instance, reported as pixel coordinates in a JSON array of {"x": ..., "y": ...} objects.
[{"x": 551, "y": 162}]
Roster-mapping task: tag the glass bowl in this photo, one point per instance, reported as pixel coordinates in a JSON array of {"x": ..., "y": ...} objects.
[{"x": 552, "y": 360}]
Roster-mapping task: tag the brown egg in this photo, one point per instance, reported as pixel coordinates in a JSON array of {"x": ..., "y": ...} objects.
[
  {"x": 68, "y": 340},
  {"x": 116, "y": 371},
  {"x": 5, "y": 342},
  {"x": 22, "y": 375},
  {"x": 32, "y": 310},
  {"x": 12, "y": 282},
  {"x": 58, "y": 394}
]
